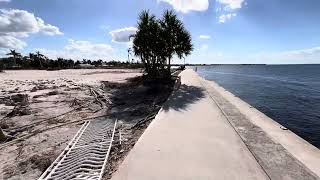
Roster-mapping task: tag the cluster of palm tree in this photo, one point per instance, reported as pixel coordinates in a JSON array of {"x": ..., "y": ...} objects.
[
  {"x": 157, "y": 41},
  {"x": 33, "y": 60},
  {"x": 39, "y": 61}
]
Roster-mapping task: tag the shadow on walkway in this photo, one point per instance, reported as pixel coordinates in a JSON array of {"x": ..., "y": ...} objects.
[{"x": 184, "y": 96}]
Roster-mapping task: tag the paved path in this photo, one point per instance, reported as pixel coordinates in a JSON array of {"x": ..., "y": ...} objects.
[{"x": 192, "y": 139}]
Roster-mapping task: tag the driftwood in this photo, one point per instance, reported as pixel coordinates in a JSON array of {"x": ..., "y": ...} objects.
[
  {"x": 120, "y": 139},
  {"x": 97, "y": 98},
  {"x": 97, "y": 95},
  {"x": 2, "y": 135},
  {"x": 144, "y": 120},
  {"x": 22, "y": 128},
  {"x": 75, "y": 102}
]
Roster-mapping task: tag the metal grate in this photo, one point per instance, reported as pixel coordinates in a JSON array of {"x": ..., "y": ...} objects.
[{"x": 86, "y": 155}]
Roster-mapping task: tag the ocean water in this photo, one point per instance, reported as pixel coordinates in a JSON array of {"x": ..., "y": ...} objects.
[{"x": 289, "y": 94}]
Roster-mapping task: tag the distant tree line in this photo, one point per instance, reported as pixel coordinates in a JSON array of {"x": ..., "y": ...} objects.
[{"x": 15, "y": 60}]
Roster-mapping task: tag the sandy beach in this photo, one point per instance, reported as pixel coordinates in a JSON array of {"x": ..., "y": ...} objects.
[{"x": 46, "y": 108}]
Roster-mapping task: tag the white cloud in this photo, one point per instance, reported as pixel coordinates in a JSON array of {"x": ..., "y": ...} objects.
[
  {"x": 11, "y": 42},
  {"x": 5, "y": 0},
  {"x": 204, "y": 48},
  {"x": 228, "y": 9},
  {"x": 203, "y": 53},
  {"x": 311, "y": 54},
  {"x": 225, "y": 17},
  {"x": 300, "y": 56},
  {"x": 232, "y": 4},
  {"x": 86, "y": 49},
  {"x": 204, "y": 37},
  {"x": 15, "y": 23},
  {"x": 48, "y": 28},
  {"x": 81, "y": 50},
  {"x": 122, "y": 35},
  {"x": 188, "y": 5},
  {"x": 21, "y": 21},
  {"x": 305, "y": 52}
]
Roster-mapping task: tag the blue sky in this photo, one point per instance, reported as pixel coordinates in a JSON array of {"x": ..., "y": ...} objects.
[{"x": 223, "y": 31}]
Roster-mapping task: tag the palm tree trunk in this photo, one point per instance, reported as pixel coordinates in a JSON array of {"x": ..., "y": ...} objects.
[
  {"x": 128, "y": 57},
  {"x": 2, "y": 135},
  {"x": 40, "y": 61},
  {"x": 169, "y": 65},
  {"x": 14, "y": 60}
]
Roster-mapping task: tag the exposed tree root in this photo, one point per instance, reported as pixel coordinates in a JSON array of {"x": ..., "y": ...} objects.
[{"x": 144, "y": 120}]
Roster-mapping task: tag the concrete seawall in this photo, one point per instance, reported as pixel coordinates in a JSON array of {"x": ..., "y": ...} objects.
[
  {"x": 302, "y": 150},
  {"x": 205, "y": 132}
]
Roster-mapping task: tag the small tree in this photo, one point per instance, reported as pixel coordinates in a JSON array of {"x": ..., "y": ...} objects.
[
  {"x": 1, "y": 65},
  {"x": 41, "y": 59},
  {"x": 176, "y": 38},
  {"x": 14, "y": 55},
  {"x": 77, "y": 63},
  {"x": 157, "y": 41},
  {"x": 146, "y": 43}
]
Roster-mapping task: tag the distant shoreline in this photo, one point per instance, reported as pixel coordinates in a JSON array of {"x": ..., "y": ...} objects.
[{"x": 241, "y": 64}]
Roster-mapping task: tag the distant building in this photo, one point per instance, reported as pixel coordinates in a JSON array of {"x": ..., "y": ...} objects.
[{"x": 85, "y": 66}]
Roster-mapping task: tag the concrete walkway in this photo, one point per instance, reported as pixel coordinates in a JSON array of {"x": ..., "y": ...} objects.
[
  {"x": 190, "y": 139},
  {"x": 199, "y": 135}
]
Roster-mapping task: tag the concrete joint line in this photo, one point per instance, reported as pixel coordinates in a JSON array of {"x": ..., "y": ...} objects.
[{"x": 246, "y": 145}]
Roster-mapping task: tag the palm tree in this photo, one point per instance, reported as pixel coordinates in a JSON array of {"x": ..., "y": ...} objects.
[
  {"x": 34, "y": 60},
  {"x": 39, "y": 54},
  {"x": 157, "y": 41},
  {"x": 60, "y": 62},
  {"x": 177, "y": 39},
  {"x": 146, "y": 43},
  {"x": 31, "y": 55},
  {"x": 77, "y": 63},
  {"x": 15, "y": 55},
  {"x": 1, "y": 66},
  {"x": 40, "y": 57}
]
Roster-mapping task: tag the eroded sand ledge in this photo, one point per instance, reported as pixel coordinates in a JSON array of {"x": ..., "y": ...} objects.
[{"x": 53, "y": 98}]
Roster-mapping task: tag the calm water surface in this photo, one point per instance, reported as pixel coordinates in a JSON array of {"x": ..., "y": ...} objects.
[{"x": 289, "y": 94}]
